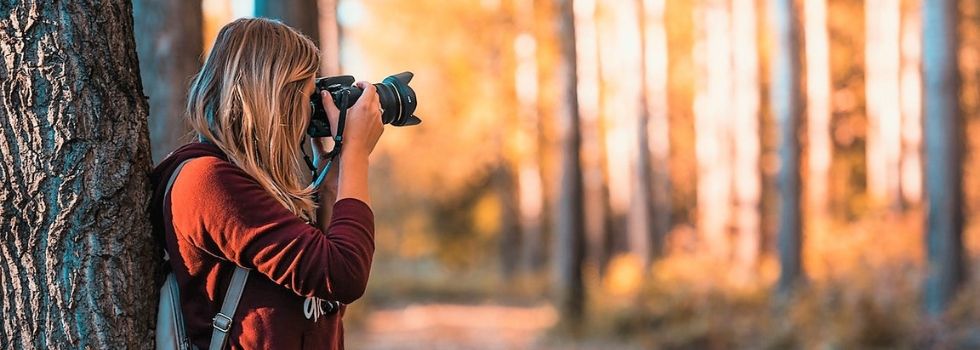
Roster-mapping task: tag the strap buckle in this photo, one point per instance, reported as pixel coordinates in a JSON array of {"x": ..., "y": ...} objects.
[{"x": 221, "y": 322}]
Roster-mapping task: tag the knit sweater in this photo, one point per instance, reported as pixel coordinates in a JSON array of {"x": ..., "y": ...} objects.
[{"x": 217, "y": 216}]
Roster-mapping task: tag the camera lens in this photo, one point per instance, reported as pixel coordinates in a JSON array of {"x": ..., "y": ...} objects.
[{"x": 398, "y": 100}]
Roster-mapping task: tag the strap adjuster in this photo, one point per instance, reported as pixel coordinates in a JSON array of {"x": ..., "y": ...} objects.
[{"x": 221, "y": 322}]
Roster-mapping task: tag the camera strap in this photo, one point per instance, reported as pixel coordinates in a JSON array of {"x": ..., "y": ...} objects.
[{"x": 338, "y": 143}]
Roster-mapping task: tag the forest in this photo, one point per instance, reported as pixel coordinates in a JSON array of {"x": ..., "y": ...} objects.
[{"x": 589, "y": 174}]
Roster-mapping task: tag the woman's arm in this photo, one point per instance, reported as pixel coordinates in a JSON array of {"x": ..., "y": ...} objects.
[
  {"x": 220, "y": 209},
  {"x": 362, "y": 130},
  {"x": 361, "y": 134}
]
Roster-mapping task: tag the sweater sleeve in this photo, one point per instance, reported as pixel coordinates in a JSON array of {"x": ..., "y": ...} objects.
[{"x": 220, "y": 209}]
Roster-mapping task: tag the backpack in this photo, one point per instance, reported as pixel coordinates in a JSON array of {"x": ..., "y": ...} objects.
[{"x": 170, "y": 331}]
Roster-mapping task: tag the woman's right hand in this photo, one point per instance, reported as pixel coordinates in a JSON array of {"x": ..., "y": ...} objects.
[
  {"x": 362, "y": 130},
  {"x": 363, "y": 127}
]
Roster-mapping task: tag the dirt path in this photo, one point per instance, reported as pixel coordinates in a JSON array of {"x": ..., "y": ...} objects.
[{"x": 470, "y": 327}]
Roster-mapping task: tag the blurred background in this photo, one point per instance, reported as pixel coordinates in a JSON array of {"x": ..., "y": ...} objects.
[{"x": 636, "y": 174}]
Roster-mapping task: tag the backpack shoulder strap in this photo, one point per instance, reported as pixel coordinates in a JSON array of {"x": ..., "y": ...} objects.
[{"x": 222, "y": 321}]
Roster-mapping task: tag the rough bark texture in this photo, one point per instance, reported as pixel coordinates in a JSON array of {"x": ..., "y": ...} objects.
[
  {"x": 300, "y": 14},
  {"x": 786, "y": 102},
  {"x": 943, "y": 152},
  {"x": 169, "y": 42},
  {"x": 569, "y": 225},
  {"x": 76, "y": 256}
]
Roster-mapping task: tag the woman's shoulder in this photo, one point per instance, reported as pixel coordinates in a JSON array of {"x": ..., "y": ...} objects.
[{"x": 208, "y": 174}]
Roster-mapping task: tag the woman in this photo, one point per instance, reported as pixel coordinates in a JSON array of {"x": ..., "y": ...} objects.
[{"x": 241, "y": 199}]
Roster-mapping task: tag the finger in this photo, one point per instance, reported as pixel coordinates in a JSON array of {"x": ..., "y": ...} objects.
[
  {"x": 333, "y": 114},
  {"x": 369, "y": 94}
]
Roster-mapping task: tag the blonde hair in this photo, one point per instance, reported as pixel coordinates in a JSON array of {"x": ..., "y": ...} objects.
[{"x": 248, "y": 100}]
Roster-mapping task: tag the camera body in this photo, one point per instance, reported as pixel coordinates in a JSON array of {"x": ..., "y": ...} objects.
[{"x": 396, "y": 98}]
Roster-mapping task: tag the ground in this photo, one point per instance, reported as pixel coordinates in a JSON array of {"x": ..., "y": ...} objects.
[{"x": 469, "y": 327}]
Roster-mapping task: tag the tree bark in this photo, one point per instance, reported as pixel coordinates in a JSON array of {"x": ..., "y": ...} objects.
[
  {"x": 943, "y": 154},
  {"x": 76, "y": 256},
  {"x": 300, "y": 14},
  {"x": 785, "y": 100},
  {"x": 169, "y": 43},
  {"x": 569, "y": 226}
]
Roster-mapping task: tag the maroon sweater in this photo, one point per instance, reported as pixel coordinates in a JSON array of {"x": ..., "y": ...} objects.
[{"x": 217, "y": 217}]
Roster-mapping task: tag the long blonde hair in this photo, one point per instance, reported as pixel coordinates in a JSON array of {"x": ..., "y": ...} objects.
[{"x": 248, "y": 100}]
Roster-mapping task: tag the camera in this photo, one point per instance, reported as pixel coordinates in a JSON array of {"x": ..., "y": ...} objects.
[{"x": 397, "y": 101}]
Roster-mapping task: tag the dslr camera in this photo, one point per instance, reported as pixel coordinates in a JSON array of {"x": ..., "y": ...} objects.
[{"x": 397, "y": 101}]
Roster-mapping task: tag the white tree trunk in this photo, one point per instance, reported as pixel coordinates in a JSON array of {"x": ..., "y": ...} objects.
[
  {"x": 747, "y": 180},
  {"x": 882, "y": 91},
  {"x": 712, "y": 125},
  {"x": 911, "y": 85},
  {"x": 821, "y": 148}
]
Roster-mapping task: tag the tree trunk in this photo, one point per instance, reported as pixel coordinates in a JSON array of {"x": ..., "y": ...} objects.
[
  {"x": 655, "y": 53},
  {"x": 169, "y": 56},
  {"x": 821, "y": 149},
  {"x": 569, "y": 228},
  {"x": 911, "y": 85},
  {"x": 943, "y": 142},
  {"x": 76, "y": 257},
  {"x": 713, "y": 128},
  {"x": 882, "y": 65},
  {"x": 330, "y": 35},
  {"x": 595, "y": 191},
  {"x": 746, "y": 179},
  {"x": 649, "y": 206},
  {"x": 509, "y": 248},
  {"x": 785, "y": 100},
  {"x": 299, "y": 14}
]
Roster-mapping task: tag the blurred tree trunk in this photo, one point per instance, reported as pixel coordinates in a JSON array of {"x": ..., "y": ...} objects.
[
  {"x": 569, "y": 226},
  {"x": 943, "y": 128},
  {"x": 505, "y": 185},
  {"x": 76, "y": 257},
  {"x": 300, "y": 14},
  {"x": 169, "y": 43},
  {"x": 713, "y": 126},
  {"x": 882, "y": 65},
  {"x": 746, "y": 179},
  {"x": 911, "y": 103},
  {"x": 650, "y": 207},
  {"x": 639, "y": 225},
  {"x": 594, "y": 165},
  {"x": 786, "y": 103},
  {"x": 821, "y": 149},
  {"x": 330, "y": 35}
]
